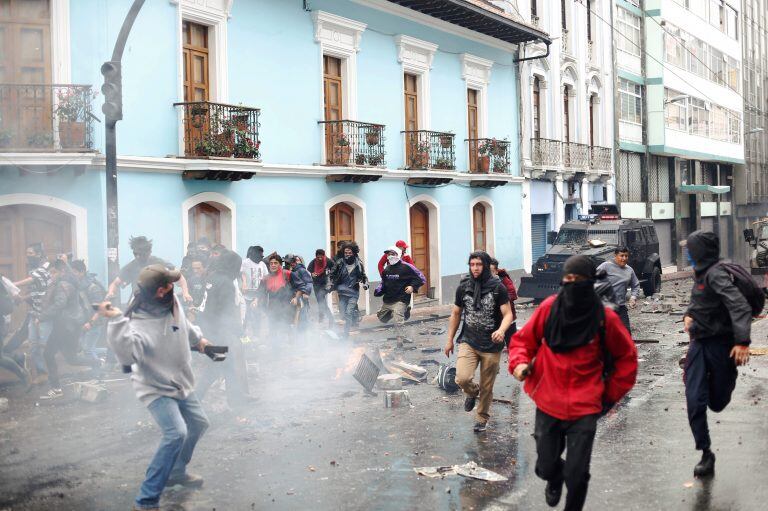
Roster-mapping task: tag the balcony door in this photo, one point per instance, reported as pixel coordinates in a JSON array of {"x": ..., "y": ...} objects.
[
  {"x": 566, "y": 116},
  {"x": 472, "y": 127},
  {"x": 25, "y": 59},
  {"x": 333, "y": 111},
  {"x": 410, "y": 83},
  {"x": 197, "y": 86},
  {"x": 536, "y": 107}
]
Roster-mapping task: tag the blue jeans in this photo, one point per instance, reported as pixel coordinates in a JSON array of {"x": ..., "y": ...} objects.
[
  {"x": 39, "y": 332},
  {"x": 182, "y": 422},
  {"x": 349, "y": 311}
]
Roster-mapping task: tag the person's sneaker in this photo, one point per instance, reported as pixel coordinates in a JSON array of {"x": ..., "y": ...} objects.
[
  {"x": 469, "y": 403},
  {"x": 188, "y": 480},
  {"x": 480, "y": 427},
  {"x": 552, "y": 492},
  {"x": 705, "y": 467},
  {"x": 53, "y": 394}
]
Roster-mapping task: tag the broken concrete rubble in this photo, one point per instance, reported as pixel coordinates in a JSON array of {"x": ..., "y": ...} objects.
[{"x": 470, "y": 469}]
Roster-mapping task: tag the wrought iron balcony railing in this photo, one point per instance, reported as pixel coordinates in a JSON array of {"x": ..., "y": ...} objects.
[
  {"x": 217, "y": 130},
  {"x": 46, "y": 117},
  {"x": 354, "y": 143},
  {"x": 575, "y": 155},
  {"x": 488, "y": 155},
  {"x": 600, "y": 158},
  {"x": 545, "y": 151},
  {"x": 429, "y": 150}
]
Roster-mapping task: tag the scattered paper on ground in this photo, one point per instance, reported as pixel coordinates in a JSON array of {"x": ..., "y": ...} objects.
[{"x": 470, "y": 469}]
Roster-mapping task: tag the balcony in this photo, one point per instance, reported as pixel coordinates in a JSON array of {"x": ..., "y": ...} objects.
[
  {"x": 429, "y": 150},
  {"x": 600, "y": 158},
  {"x": 354, "y": 144},
  {"x": 575, "y": 156},
  {"x": 488, "y": 155},
  {"x": 217, "y": 130},
  {"x": 46, "y": 118},
  {"x": 546, "y": 152}
]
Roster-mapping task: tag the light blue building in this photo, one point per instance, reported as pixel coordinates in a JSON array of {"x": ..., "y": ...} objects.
[{"x": 292, "y": 125}]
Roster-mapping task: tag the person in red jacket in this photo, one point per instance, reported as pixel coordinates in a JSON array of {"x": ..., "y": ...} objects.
[
  {"x": 511, "y": 291},
  {"x": 569, "y": 336},
  {"x": 403, "y": 246}
]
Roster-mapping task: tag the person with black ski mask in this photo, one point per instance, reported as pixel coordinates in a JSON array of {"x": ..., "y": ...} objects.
[
  {"x": 718, "y": 321},
  {"x": 482, "y": 309},
  {"x": 572, "y": 382}
]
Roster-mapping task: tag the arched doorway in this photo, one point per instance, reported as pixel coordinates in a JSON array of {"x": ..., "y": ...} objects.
[
  {"x": 479, "y": 227},
  {"x": 22, "y": 225},
  {"x": 205, "y": 221},
  {"x": 342, "y": 221},
  {"x": 420, "y": 241}
]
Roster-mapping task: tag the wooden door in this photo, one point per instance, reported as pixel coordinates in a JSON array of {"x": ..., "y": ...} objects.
[
  {"x": 420, "y": 241},
  {"x": 335, "y": 153},
  {"x": 23, "y": 225},
  {"x": 196, "y": 71},
  {"x": 536, "y": 108},
  {"x": 197, "y": 85},
  {"x": 25, "y": 58},
  {"x": 342, "y": 226},
  {"x": 472, "y": 127},
  {"x": 205, "y": 221},
  {"x": 479, "y": 229},
  {"x": 410, "y": 86}
]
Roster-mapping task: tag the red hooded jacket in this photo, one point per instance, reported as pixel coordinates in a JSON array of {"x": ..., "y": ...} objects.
[{"x": 570, "y": 385}]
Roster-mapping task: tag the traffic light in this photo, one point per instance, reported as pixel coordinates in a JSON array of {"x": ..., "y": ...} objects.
[{"x": 112, "y": 90}]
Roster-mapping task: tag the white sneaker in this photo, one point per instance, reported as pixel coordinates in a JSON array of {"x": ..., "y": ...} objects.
[{"x": 53, "y": 394}]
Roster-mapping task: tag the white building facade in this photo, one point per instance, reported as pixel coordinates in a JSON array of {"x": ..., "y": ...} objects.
[{"x": 567, "y": 116}]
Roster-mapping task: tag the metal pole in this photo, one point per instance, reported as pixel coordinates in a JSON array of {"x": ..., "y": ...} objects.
[{"x": 113, "y": 112}]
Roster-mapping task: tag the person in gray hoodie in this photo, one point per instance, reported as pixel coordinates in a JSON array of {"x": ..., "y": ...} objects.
[{"x": 154, "y": 338}]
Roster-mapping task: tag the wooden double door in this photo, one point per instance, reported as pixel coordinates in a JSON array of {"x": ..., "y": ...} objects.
[
  {"x": 23, "y": 225},
  {"x": 420, "y": 242}
]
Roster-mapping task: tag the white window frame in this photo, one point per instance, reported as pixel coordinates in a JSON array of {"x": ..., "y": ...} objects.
[
  {"x": 627, "y": 20},
  {"x": 635, "y": 97},
  {"x": 416, "y": 57},
  {"x": 61, "y": 57},
  {"x": 490, "y": 233},
  {"x": 226, "y": 207},
  {"x": 476, "y": 72}
]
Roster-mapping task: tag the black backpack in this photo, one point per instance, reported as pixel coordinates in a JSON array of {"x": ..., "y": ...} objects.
[{"x": 743, "y": 280}]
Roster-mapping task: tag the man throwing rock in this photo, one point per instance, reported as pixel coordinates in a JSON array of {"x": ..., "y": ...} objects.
[{"x": 154, "y": 337}]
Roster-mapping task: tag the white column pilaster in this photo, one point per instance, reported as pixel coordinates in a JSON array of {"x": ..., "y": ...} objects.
[{"x": 525, "y": 213}]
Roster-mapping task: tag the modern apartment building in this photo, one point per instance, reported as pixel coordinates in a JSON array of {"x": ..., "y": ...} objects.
[{"x": 680, "y": 117}]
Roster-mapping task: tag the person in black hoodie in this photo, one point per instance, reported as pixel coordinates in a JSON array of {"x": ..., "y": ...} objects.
[
  {"x": 347, "y": 274},
  {"x": 718, "y": 321},
  {"x": 482, "y": 308},
  {"x": 66, "y": 310},
  {"x": 220, "y": 315},
  {"x": 301, "y": 284},
  {"x": 399, "y": 280}
]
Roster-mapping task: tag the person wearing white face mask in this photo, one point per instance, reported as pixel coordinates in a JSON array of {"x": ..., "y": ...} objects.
[{"x": 399, "y": 281}]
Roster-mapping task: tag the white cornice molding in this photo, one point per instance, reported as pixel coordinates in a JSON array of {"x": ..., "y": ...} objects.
[
  {"x": 438, "y": 24},
  {"x": 339, "y": 33},
  {"x": 172, "y": 165},
  {"x": 211, "y": 11},
  {"x": 475, "y": 70},
  {"x": 415, "y": 53}
]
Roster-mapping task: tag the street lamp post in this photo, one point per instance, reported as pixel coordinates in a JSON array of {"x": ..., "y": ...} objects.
[{"x": 113, "y": 112}]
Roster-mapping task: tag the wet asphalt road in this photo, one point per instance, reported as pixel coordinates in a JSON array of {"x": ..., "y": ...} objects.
[{"x": 313, "y": 440}]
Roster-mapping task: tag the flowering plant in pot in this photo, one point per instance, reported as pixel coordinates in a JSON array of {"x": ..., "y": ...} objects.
[
  {"x": 420, "y": 156},
  {"x": 72, "y": 107},
  {"x": 373, "y": 136},
  {"x": 341, "y": 150},
  {"x": 446, "y": 140}
]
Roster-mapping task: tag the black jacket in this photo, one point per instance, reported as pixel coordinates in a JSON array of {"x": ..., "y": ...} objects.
[
  {"x": 718, "y": 308},
  {"x": 394, "y": 279},
  {"x": 64, "y": 302}
]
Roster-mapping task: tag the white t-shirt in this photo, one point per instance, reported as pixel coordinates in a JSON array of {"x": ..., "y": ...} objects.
[{"x": 253, "y": 273}]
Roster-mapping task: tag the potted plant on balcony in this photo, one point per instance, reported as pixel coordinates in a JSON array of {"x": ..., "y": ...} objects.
[
  {"x": 341, "y": 150},
  {"x": 213, "y": 145},
  {"x": 443, "y": 163},
  {"x": 246, "y": 148},
  {"x": 446, "y": 140},
  {"x": 484, "y": 156},
  {"x": 40, "y": 140},
  {"x": 72, "y": 106},
  {"x": 500, "y": 165},
  {"x": 420, "y": 156},
  {"x": 373, "y": 136},
  {"x": 360, "y": 159},
  {"x": 376, "y": 160},
  {"x": 6, "y": 137}
]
